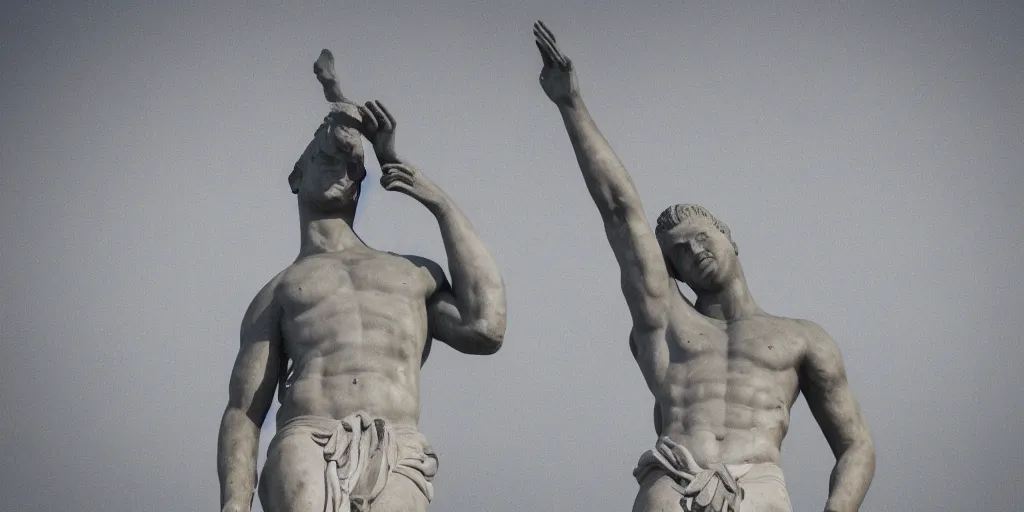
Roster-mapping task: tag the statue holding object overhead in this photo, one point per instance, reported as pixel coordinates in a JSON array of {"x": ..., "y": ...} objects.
[{"x": 356, "y": 324}]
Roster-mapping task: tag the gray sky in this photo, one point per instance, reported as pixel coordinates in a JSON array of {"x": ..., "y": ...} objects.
[{"x": 868, "y": 159}]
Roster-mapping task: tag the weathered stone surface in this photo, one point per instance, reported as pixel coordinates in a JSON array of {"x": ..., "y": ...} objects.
[
  {"x": 724, "y": 373},
  {"x": 343, "y": 331}
]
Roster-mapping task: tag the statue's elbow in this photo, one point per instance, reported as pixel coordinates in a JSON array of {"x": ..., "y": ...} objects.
[
  {"x": 864, "y": 439},
  {"x": 491, "y": 342},
  {"x": 861, "y": 448},
  {"x": 490, "y": 336},
  {"x": 490, "y": 346},
  {"x": 868, "y": 448}
]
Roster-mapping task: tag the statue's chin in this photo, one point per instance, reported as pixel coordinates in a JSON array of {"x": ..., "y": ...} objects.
[
  {"x": 334, "y": 208},
  {"x": 704, "y": 283}
]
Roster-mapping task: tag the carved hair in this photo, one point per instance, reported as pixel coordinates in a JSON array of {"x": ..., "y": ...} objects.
[
  {"x": 684, "y": 213},
  {"x": 331, "y": 120}
]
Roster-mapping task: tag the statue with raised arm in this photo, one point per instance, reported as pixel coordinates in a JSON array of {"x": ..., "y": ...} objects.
[
  {"x": 724, "y": 374},
  {"x": 356, "y": 325}
]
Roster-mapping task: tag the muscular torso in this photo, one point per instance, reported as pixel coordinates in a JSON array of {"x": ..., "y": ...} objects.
[
  {"x": 724, "y": 390},
  {"x": 355, "y": 327}
]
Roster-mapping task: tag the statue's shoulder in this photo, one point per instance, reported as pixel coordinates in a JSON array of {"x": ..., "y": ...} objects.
[
  {"x": 810, "y": 330},
  {"x": 794, "y": 325},
  {"x": 422, "y": 263},
  {"x": 262, "y": 302},
  {"x": 429, "y": 271},
  {"x": 269, "y": 289},
  {"x": 813, "y": 338}
]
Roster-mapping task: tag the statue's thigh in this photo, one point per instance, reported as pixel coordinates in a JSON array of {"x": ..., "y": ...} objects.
[
  {"x": 657, "y": 494},
  {"x": 765, "y": 495},
  {"x": 293, "y": 476},
  {"x": 400, "y": 495}
]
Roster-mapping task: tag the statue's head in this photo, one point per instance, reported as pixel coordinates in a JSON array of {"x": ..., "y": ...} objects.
[
  {"x": 328, "y": 175},
  {"x": 698, "y": 248}
]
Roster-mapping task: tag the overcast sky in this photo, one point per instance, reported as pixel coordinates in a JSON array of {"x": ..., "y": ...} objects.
[{"x": 868, "y": 159}]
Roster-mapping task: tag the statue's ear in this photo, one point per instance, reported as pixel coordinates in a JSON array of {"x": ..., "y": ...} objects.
[
  {"x": 295, "y": 178},
  {"x": 728, "y": 235}
]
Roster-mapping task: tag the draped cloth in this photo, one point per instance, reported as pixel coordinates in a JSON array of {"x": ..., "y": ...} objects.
[
  {"x": 717, "y": 487},
  {"x": 362, "y": 453}
]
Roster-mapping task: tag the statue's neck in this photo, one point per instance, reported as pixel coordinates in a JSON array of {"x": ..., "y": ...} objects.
[
  {"x": 729, "y": 303},
  {"x": 320, "y": 232}
]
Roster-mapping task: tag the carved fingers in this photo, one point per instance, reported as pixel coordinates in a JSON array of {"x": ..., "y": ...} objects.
[
  {"x": 398, "y": 177},
  {"x": 379, "y": 127},
  {"x": 557, "y": 77},
  {"x": 402, "y": 178},
  {"x": 549, "y": 51},
  {"x": 410, "y": 181},
  {"x": 370, "y": 125},
  {"x": 377, "y": 118}
]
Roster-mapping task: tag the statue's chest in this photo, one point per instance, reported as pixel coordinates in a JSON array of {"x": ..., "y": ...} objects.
[
  {"x": 692, "y": 339},
  {"x": 349, "y": 279},
  {"x": 762, "y": 343},
  {"x": 766, "y": 344}
]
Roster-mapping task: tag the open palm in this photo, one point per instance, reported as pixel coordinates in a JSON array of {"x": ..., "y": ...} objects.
[{"x": 557, "y": 78}]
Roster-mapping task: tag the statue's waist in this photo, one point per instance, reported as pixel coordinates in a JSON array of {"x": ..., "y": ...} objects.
[
  {"x": 731, "y": 447},
  {"x": 338, "y": 395},
  {"x": 334, "y": 363},
  {"x": 361, "y": 343}
]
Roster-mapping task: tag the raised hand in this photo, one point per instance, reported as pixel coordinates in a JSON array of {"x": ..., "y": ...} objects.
[
  {"x": 411, "y": 182},
  {"x": 379, "y": 127},
  {"x": 557, "y": 78}
]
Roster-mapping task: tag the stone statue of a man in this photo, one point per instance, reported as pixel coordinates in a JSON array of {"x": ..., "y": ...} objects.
[
  {"x": 724, "y": 373},
  {"x": 356, "y": 324}
]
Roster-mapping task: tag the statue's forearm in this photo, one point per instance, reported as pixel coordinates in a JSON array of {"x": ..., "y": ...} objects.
[
  {"x": 476, "y": 282},
  {"x": 851, "y": 477},
  {"x": 388, "y": 156},
  {"x": 237, "y": 450},
  {"x": 607, "y": 179}
]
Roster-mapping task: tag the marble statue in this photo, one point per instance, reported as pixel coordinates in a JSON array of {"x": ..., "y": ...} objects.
[
  {"x": 356, "y": 325},
  {"x": 724, "y": 374}
]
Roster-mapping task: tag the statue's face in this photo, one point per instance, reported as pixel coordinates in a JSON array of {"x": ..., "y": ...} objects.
[
  {"x": 701, "y": 255},
  {"x": 330, "y": 170}
]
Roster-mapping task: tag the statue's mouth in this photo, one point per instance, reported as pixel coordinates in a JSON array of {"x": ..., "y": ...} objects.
[{"x": 704, "y": 262}]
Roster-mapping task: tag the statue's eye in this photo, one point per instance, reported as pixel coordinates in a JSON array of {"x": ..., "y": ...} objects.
[{"x": 702, "y": 237}]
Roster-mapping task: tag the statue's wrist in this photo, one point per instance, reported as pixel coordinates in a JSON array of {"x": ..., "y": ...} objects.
[
  {"x": 386, "y": 156},
  {"x": 438, "y": 205},
  {"x": 237, "y": 503},
  {"x": 571, "y": 102}
]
